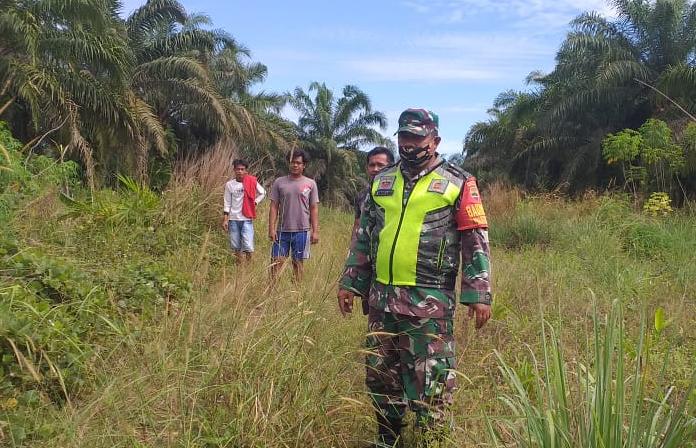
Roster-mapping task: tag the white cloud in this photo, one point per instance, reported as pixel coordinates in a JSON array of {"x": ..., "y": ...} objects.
[
  {"x": 489, "y": 46},
  {"x": 419, "y": 69},
  {"x": 531, "y": 14},
  {"x": 458, "y": 57},
  {"x": 419, "y": 7}
]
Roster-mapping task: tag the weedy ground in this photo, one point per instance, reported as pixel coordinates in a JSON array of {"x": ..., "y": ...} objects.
[{"x": 126, "y": 323}]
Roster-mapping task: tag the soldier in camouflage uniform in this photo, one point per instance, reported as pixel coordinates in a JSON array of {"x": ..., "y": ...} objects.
[{"x": 422, "y": 216}]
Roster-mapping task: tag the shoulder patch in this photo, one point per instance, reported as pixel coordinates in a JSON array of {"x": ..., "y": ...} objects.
[
  {"x": 471, "y": 214},
  {"x": 455, "y": 176}
]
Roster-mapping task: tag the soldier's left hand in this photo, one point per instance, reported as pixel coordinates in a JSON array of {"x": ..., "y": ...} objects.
[
  {"x": 482, "y": 313},
  {"x": 345, "y": 301}
]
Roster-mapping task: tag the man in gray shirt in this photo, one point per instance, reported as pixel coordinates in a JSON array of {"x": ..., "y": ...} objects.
[{"x": 295, "y": 200}]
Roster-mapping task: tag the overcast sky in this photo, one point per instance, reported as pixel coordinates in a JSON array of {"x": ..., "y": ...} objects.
[{"x": 450, "y": 56}]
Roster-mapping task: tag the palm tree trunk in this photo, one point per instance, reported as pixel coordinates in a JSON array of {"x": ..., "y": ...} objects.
[
  {"x": 141, "y": 160},
  {"x": 5, "y": 87},
  {"x": 79, "y": 144}
]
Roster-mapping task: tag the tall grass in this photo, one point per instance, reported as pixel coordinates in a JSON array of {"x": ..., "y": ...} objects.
[
  {"x": 206, "y": 173},
  {"x": 223, "y": 360},
  {"x": 601, "y": 403},
  {"x": 239, "y": 366}
]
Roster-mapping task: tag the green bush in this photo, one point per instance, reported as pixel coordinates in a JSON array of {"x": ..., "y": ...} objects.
[
  {"x": 22, "y": 177},
  {"x": 134, "y": 204},
  {"x": 521, "y": 229},
  {"x": 645, "y": 239},
  {"x": 613, "y": 210},
  {"x": 57, "y": 308}
]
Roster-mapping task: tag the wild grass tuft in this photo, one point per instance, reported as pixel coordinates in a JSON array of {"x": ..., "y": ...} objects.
[{"x": 602, "y": 402}]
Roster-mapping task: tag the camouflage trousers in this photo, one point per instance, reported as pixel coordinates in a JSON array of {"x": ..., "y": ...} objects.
[{"x": 410, "y": 364}]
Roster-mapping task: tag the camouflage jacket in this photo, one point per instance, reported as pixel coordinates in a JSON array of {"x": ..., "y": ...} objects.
[{"x": 462, "y": 226}]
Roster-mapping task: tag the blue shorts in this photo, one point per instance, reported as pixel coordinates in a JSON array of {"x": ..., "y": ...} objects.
[
  {"x": 242, "y": 236},
  {"x": 295, "y": 244}
]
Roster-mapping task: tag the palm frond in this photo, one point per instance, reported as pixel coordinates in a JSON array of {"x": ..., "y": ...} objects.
[{"x": 170, "y": 67}]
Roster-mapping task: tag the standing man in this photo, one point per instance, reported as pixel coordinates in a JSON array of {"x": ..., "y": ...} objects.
[
  {"x": 378, "y": 158},
  {"x": 295, "y": 200},
  {"x": 423, "y": 214},
  {"x": 242, "y": 194}
]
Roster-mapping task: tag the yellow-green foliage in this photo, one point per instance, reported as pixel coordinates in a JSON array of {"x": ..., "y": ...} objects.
[
  {"x": 658, "y": 204},
  {"x": 651, "y": 147}
]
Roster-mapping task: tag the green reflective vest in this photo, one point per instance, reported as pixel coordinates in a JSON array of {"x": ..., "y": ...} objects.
[{"x": 417, "y": 240}]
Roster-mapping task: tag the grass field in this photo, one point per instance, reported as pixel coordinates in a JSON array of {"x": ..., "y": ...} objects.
[{"x": 161, "y": 341}]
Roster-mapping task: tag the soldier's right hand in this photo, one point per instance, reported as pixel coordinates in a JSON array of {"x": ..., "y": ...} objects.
[
  {"x": 481, "y": 311},
  {"x": 345, "y": 301},
  {"x": 272, "y": 235}
]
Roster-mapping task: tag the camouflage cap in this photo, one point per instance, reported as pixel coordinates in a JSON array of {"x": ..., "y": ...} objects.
[{"x": 418, "y": 121}]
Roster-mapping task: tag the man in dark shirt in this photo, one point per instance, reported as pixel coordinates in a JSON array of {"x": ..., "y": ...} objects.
[{"x": 378, "y": 158}]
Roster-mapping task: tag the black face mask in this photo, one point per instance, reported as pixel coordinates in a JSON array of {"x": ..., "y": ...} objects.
[{"x": 414, "y": 156}]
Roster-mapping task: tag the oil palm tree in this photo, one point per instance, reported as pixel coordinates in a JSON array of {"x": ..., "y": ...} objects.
[
  {"x": 262, "y": 130},
  {"x": 605, "y": 79},
  {"x": 171, "y": 89},
  {"x": 333, "y": 130},
  {"x": 118, "y": 92},
  {"x": 499, "y": 147},
  {"x": 62, "y": 68},
  {"x": 194, "y": 82},
  {"x": 605, "y": 72}
]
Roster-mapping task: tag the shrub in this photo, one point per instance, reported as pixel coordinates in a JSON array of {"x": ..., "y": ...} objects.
[
  {"x": 645, "y": 239},
  {"x": 525, "y": 228},
  {"x": 136, "y": 204},
  {"x": 613, "y": 210},
  {"x": 658, "y": 204}
]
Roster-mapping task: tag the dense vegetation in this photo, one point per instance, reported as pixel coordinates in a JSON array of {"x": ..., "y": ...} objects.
[
  {"x": 123, "y": 321},
  {"x": 610, "y": 75},
  {"x": 134, "y": 95}
]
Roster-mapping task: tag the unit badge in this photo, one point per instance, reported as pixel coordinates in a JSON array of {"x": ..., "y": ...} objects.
[
  {"x": 438, "y": 185},
  {"x": 385, "y": 187}
]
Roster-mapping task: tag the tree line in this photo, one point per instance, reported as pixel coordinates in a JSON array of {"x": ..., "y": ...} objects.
[
  {"x": 132, "y": 95},
  {"x": 636, "y": 70}
]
